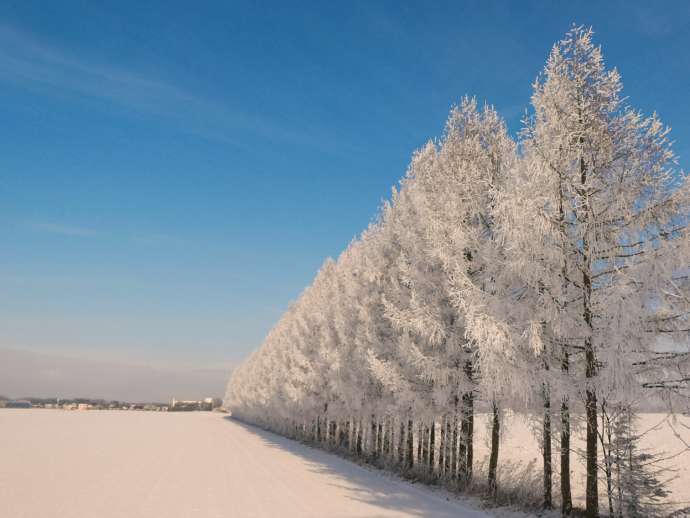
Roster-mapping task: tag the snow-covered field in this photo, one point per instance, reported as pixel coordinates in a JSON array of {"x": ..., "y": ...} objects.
[
  {"x": 99, "y": 464},
  {"x": 519, "y": 448}
]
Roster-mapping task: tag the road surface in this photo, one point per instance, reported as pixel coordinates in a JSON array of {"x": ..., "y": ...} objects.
[{"x": 101, "y": 464}]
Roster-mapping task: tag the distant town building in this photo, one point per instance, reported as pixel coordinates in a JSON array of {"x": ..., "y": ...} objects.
[
  {"x": 213, "y": 402},
  {"x": 84, "y": 404},
  {"x": 20, "y": 403},
  {"x": 207, "y": 404}
]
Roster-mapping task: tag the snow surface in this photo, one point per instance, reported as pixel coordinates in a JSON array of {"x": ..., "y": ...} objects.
[{"x": 100, "y": 464}]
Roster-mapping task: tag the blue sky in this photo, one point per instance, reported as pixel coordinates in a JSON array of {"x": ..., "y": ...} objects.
[{"x": 173, "y": 175}]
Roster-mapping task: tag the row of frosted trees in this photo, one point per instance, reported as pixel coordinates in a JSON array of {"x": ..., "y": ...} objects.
[{"x": 547, "y": 276}]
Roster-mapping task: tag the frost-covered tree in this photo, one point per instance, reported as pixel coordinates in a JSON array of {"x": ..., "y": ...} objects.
[
  {"x": 636, "y": 478},
  {"x": 458, "y": 199},
  {"x": 600, "y": 226},
  {"x": 430, "y": 352}
]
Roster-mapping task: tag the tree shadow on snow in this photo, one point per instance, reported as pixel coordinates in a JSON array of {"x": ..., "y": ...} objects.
[{"x": 369, "y": 486}]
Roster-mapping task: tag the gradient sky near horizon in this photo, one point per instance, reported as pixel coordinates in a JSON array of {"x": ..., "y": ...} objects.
[{"x": 173, "y": 174}]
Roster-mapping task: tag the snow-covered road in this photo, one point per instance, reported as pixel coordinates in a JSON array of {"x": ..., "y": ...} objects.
[{"x": 98, "y": 464}]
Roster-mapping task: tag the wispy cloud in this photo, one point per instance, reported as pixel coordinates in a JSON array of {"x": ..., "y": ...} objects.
[
  {"x": 138, "y": 238},
  {"x": 47, "y": 69},
  {"x": 655, "y": 22},
  {"x": 63, "y": 230},
  {"x": 25, "y": 59}
]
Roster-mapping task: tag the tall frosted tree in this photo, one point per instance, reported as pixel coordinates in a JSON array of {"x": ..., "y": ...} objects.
[
  {"x": 459, "y": 199},
  {"x": 600, "y": 228}
]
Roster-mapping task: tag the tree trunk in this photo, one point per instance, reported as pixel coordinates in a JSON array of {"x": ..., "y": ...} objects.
[
  {"x": 454, "y": 444},
  {"x": 372, "y": 441},
  {"x": 386, "y": 436},
  {"x": 359, "y": 439},
  {"x": 466, "y": 448},
  {"x": 379, "y": 440},
  {"x": 449, "y": 447},
  {"x": 606, "y": 452},
  {"x": 326, "y": 425},
  {"x": 420, "y": 440},
  {"x": 464, "y": 442},
  {"x": 410, "y": 445},
  {"x": 592, "y": 489},
  {"x": 470, "y": 437},
  {"x": 548, "y": 502},
  {"x": 566, "y": 497},
  {"x": 432, "y": 447},
  {"x": 401, "y": 444},
  {"x": 441, "y": 447},
  {"x": 493, "y": 459}
]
